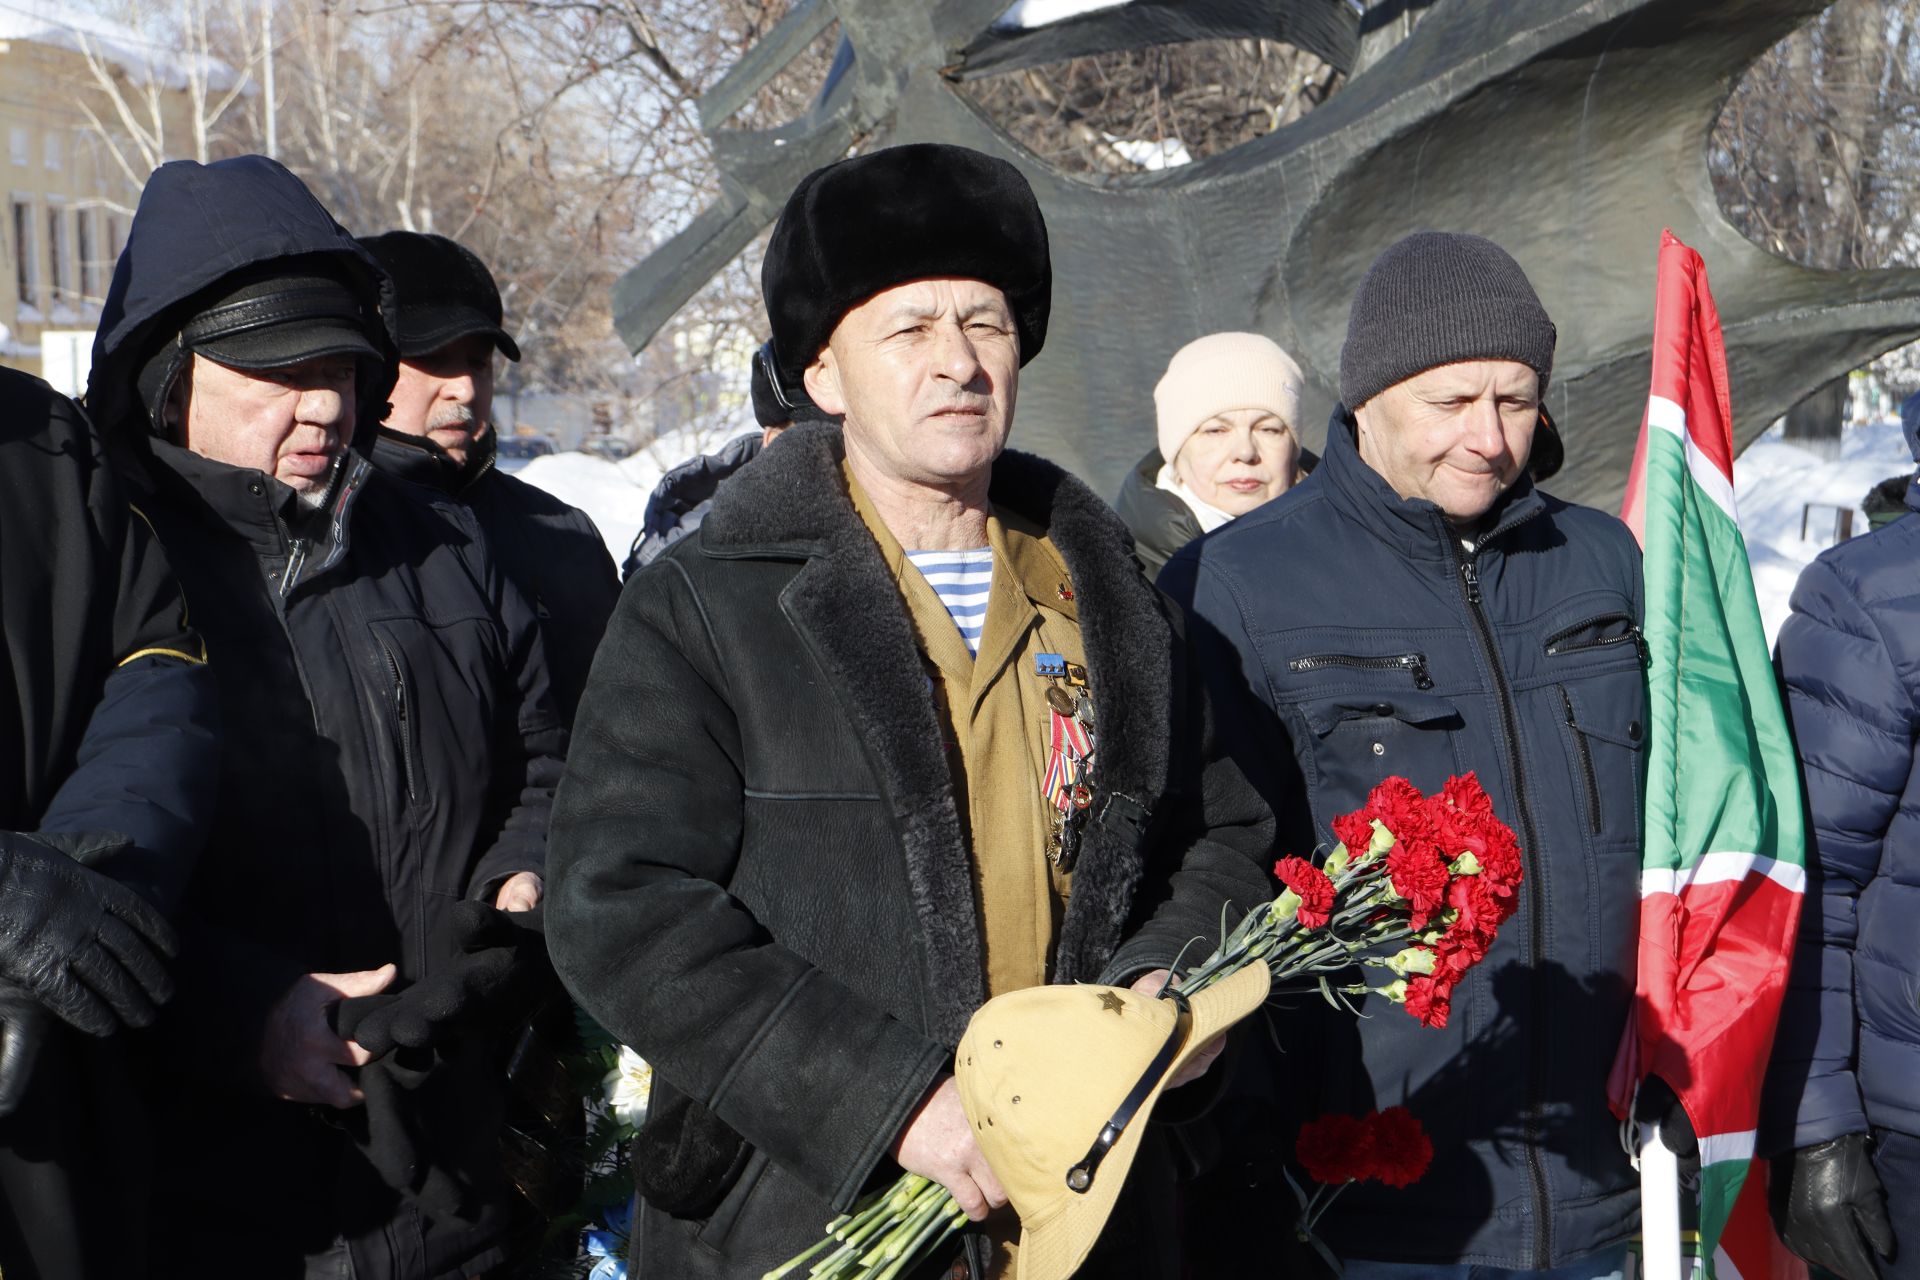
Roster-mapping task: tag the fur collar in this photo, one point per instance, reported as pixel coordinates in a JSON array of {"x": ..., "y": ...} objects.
[{"x": 792, "y": 503}]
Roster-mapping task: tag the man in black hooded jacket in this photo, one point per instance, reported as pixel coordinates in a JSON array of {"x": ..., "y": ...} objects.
[
  {"x": 390, "y": 761},
  {"x": 107, "y": 749}
]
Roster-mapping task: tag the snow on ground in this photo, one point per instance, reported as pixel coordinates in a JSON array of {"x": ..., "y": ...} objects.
[
  {"x": 1024, "y": 15},
  {"x": 615, "y": 494},
  {"x": 1169, "y": 153},
  {"x": 1773, "y": 480}
]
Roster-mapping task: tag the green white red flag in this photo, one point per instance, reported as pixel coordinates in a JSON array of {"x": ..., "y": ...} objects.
[{"x": 1724, "y": 862}]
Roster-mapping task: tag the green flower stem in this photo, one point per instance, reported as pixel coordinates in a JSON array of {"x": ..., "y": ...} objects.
[
  {"x": 933, "y": 1233},
  {"x": 793, "y": 1262}
]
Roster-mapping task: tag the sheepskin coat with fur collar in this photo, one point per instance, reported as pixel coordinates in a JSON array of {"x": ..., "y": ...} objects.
[{"x": 759, "y": 877}]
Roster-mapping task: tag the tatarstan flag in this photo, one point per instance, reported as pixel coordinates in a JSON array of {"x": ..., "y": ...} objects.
[{"x": 1724, "y": 864}]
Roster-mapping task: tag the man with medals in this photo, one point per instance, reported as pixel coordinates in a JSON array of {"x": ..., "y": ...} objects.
[{"x": 901, "y": 727}]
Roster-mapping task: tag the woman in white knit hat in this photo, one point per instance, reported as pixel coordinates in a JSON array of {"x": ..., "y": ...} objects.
[{"x": 1228, "y": 408}]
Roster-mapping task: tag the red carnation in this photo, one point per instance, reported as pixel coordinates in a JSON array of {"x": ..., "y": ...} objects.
[
  {"x": 1419, "y": 876},
  {"x": 1335, "y": 1149},
  {"x": 1354, "y": 830},
  {"x": 1458, "y": 951},
  {"x": 1401, "y": 1149},
  {"x": 1399, "y": 805},
  {"x": 1314, "y": 888},
  {"x": 1429, "y": 999},
  {"x": 1465, "y": 795}
]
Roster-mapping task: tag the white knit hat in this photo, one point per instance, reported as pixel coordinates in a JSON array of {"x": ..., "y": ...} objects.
[{"x": 1221, "y": 372}]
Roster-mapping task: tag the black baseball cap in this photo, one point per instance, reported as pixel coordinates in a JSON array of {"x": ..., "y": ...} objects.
[{"x": 443, "y": 292}]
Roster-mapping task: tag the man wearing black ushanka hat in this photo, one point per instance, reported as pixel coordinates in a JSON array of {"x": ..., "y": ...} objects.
[
  {"x": 902, "y": 726},
  {"x": 388, "y": 762}
]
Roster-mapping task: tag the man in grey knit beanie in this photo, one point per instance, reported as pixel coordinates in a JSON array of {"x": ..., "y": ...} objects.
[
  {"x": 1416, "y": 608},
  {"x": 1447, "y": 358}
]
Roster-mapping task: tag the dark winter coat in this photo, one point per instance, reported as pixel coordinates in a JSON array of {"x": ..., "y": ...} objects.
[
  {"x": 760, "y": 880},
  {"x": 391, "y": 749},
  {"x": 107, "y": 725},
  {"x": 1161, "y": 524},
  {"x": 551, "y": 552},
  {"x": 97, "y": 658},
  {"x": 1358, "y": 640},
  {"x": 683, "y": 497},
  {"x": 1847, "y": 1053}
]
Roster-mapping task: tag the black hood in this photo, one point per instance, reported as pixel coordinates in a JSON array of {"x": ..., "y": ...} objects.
[{"x": 196, "y": 225}]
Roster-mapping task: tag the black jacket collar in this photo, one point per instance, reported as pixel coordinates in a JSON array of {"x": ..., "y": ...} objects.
[
  {"x": 418, "y": 460},
  {"x": 251, "y": 505}
]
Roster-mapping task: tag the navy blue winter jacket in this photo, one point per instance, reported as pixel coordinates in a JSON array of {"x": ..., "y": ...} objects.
[
  {"x": 1372, "y": 644},
  {"x": 1847, "y": 1054}
]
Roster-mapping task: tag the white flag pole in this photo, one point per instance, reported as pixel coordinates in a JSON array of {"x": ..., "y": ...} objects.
[{"x": 1660, "y": 1208}]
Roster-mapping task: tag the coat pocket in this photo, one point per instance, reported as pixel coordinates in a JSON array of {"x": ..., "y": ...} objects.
[
  {"x": 1361, "y": 739},
  {"x": 685, "y": 1158},
  {"x": 1605, "y": 734}
]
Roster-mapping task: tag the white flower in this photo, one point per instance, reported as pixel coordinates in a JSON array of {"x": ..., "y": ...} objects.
[{"x": 628, "y": 1088}]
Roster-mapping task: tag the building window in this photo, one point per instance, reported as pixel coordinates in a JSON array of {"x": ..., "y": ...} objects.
[
  {"x": 26, "y": 256},
  {"x": 87, "y": 248},
  {"x": 19, "y": 147},
  {"x": 50, "y": 149},
  {"x": 60, "y": 253}
]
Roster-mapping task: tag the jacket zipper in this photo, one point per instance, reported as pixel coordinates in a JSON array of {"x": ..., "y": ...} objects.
[
  {"x": 1556, "y": 642},
  {"x": 1413, "y": 663},
  {"x": 1586, "y": 762},
  {"x": 1536, "y": 911},
  {"x": 400, "y": 710}
]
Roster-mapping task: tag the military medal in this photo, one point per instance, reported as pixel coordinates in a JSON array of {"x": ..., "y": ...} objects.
[{"x": 1068, "y": 784}]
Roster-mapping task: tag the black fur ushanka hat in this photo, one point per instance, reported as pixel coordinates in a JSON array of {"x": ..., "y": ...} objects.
[{"x": 903, "y": 213}]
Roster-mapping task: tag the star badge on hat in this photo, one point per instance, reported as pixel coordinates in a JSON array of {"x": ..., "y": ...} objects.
[{"x": 1058, "y": 1089}]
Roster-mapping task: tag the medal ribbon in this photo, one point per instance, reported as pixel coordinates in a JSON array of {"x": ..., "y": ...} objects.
[{"x": 1067, "y": 753}]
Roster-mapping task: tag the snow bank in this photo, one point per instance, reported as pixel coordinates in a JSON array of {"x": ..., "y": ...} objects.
[
  {"x": 615, "y": 494},
  {"x": 1024, "y": 15},
  {"x": 1169, "y": 153},
  {"x": 1773, "y": 480}
]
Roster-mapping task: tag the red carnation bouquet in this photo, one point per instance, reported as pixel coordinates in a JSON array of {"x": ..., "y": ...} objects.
[
  {"x": 1418, "y": 886},
  {"x": 1432, "y": 876},
  {"x": 1388, "y": 1146}
]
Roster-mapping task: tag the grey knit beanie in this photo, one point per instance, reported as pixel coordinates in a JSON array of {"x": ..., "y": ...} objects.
[{"x": 1434, "y": 298}]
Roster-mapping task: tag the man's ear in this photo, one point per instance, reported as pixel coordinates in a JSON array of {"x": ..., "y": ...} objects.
[{"x": 822, "y": 381}]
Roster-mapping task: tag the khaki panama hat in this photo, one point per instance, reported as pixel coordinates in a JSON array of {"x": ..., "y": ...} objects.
[{"x": 1058, "y": 1082}]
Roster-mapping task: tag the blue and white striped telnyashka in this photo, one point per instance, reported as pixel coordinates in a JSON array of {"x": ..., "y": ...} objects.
[{"x": 962, "y": 580}]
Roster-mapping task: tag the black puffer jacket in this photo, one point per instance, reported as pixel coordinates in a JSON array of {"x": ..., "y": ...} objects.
[
  {"x": 549, "y": 551},
  {"x": 392, "y": 748}
]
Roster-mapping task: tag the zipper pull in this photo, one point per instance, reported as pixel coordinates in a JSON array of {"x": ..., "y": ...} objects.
[
  {"x": 1417, "y": 664},
  {"x": 1470, "y": 576},
  {"x": 296, "y": 558}
]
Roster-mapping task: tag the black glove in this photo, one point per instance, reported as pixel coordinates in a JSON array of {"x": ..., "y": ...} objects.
[
  {"x": 23, "y": 1029},
  {"x": 494, "y": 977},
  {"x": 1829, "y": 1206},
  {"x": 1656, "y": 1103},
  {"x": 431, "y": 1127},
  {"x": 87, "y": 947}
]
